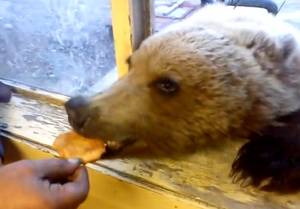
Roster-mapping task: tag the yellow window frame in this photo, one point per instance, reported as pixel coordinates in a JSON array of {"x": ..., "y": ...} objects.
[{"x": 131, "y": 24}]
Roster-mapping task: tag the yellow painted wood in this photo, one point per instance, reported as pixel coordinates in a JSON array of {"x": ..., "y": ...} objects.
[
  {"x": 107, "y": 192},
  {"x": 36, "y": 93},
  {"x": 121, "y": 20},
  {"x": 202, "y": 177}
]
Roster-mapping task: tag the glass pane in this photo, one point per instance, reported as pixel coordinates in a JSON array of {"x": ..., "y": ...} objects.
[
  {"x": 65, "y": 46},
  {"x": 170, "y": 11},
  {"x": 290, "y": 11}
]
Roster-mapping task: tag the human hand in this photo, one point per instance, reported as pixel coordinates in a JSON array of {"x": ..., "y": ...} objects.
[
  {"x": 5, "y": 93},
  {"x": 47, "y": 184}
]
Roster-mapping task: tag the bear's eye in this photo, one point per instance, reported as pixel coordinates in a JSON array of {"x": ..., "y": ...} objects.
[{"x": 167, "y": 86}]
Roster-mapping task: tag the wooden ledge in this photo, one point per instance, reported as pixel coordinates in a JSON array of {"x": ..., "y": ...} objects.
[{"x": 198, "y": 181}]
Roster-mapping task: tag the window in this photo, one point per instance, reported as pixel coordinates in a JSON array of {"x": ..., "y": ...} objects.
[
  {"x": 65, "y": 46},
  {"x": 170, "y": 11}
]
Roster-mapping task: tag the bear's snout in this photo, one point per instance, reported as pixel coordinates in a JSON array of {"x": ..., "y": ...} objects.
[{"x": 77, "y": 111}]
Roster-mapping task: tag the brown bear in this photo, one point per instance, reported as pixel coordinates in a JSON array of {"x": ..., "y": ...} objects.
[{"x": 218, "y": 74}]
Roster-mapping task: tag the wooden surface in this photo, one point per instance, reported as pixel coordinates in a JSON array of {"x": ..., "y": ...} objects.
[
  {"x": 107, "y": 192},
  {"x": 202, "y": 178},
  {"x": 122, "y": 30}
]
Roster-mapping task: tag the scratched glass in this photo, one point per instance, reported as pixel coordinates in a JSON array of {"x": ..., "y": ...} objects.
[{"x": 64, "y": 46}]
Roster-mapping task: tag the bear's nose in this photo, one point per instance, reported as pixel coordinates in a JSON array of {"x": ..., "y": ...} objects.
[
  {"x": 77, "y": 110},
  {"x": 76, "y": 103}
]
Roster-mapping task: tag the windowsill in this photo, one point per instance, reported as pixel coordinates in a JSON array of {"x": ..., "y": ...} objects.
[
  {"x": 202, "y": 179},
  {"x": 106, "y": 191}
]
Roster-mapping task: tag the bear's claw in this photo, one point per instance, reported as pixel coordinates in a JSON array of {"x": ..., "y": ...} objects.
[{"x": 268, "y": 162}]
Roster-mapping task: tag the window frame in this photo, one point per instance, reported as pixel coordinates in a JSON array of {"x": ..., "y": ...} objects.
[{"x": 131, "y": 24}]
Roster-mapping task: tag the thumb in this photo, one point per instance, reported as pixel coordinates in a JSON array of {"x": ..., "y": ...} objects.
[
  {"x": 5, "y": 93},
  {"x": 76, "y": 190},
  {"x": 55, "y": 168}
]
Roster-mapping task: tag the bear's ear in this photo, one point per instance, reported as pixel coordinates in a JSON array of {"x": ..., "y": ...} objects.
[
  {"x": 288, "y": 45},
  {"x": 275, "y": 48},
  {"x": 290, "y": 53},
  {"x": 128, "y": 61}
]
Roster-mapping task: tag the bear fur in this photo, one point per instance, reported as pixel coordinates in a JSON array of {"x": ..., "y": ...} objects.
[{"x": 220, "y": 74}]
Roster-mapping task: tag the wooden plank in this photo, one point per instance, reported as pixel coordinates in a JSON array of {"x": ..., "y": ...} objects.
[
  {"x": 122, "y": 30},
  {"x": 132, "y": 23},
  {"x": 202, "y": 177},
  {"x": 105, "y": 189},
  {"x": 36, "y": 93}
]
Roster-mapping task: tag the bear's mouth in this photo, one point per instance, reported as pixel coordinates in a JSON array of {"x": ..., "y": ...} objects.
[
  {"x": 87, "y": 124},
  {"x": 89, "y": 129}
]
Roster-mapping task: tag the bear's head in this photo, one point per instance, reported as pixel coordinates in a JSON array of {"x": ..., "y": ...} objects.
[{"x": 194, "y": 83}]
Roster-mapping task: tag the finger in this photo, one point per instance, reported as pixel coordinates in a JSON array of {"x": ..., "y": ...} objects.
[
  {"x": 55, "y": 168},
  {"x": 1, "y": 152},
  {"x": 77, "y": 189},
  {"x": 5, "y": 93}
]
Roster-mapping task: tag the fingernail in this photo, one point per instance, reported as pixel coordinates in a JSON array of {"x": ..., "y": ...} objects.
[{"x": 76, "y": 161}]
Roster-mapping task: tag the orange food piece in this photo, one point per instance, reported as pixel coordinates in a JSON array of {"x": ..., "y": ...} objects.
[{"x": 73, "y": 145}]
